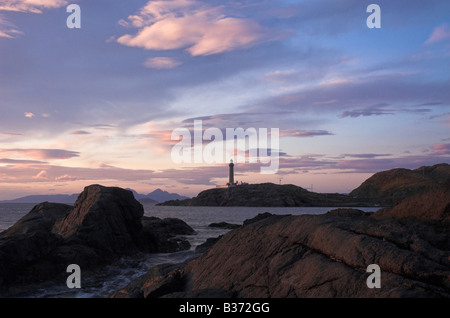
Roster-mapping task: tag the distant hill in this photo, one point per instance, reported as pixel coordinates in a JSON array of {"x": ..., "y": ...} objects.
[
  {"x": 144, "y": 199},
  {"x": 268, "y": 195},
  {"x": 56, "y": 198},
  {"x": 152, "y": 198},
  {"x": 161, "y": 196},
  {"x": 392, "y": 186}
]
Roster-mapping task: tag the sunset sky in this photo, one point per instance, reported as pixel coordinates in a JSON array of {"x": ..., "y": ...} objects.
[{"x": 99, "y": 104}]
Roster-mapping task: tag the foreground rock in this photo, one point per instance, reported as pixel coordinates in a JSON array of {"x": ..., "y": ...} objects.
[
  {"x": 316, "y": 256},
  {"x": 103, "y": 225}
]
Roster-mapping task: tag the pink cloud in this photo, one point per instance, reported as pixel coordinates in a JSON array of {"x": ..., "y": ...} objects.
[
  {"x": 42, "y": 153},
  {"x": 304, "y": 133},
  {"x": 9, "y": 134},
  {"x": 191, "y": 25},
  {"x": 42, "y": 175},
  {"x": 21, "y": 162},
  {"x": 65, "y": 178},
  {"x": 7, "y": 29},
  {"x": 34, "y": 6},
  {"x": 80, "y": 132},
  {"x": 442, "y": 149},
  {"x": 440, "y": 33}
]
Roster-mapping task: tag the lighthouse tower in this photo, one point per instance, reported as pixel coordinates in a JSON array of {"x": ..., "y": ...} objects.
[{"x": 231, "y": 174}]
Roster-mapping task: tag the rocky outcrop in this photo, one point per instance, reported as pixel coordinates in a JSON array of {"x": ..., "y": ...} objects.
[
  {"x": 385, "y": 188},
  {"x": 26, "y": 247},
  {"x": 326, "y": 256},
  {"x": 105, "y": 223},
  {"x": 266, "y": 195},
  {"x": 317, "y": 256},
  {"x": 163, "y": 235},
  {"x": 429, "y": 205},
  {"x": 107, "y": 220},
  {"x": 392, "y": 186},
  {"x": 224, "y": 225}
]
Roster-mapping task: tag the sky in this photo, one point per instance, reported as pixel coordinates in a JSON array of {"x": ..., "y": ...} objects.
[{"x": 99, "y": 104}]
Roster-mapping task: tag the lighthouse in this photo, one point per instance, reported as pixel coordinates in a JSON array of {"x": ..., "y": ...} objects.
[{"x": 231, "y": 173}]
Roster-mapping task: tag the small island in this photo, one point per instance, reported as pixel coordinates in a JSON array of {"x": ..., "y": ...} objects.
[{"x": 384, "y": 188}]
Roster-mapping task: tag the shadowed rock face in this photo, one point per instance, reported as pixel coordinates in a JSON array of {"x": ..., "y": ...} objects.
[
  {"x": 326, "y": 256},
  {"x": 107, "y": 219},
  {"x": 104, "y": 225},
  {"x": 27, "y": 242}
]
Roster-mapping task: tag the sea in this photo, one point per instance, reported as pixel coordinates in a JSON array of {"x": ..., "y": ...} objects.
[{"x": 114, "y": 277}]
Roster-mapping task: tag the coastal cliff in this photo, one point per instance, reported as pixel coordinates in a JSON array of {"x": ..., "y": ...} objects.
[
  {"x": 267, "y": 195},
  {"x": 385, "y": 188}
]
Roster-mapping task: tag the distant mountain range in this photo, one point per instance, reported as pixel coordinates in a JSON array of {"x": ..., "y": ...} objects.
[{"x": 152, "y": 198}]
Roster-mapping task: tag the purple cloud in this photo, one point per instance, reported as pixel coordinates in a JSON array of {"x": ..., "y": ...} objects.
[{"x": 42, "y": 153}]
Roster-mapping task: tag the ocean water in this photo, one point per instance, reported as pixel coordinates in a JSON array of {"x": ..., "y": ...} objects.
[{"x": 118, "y": 275}]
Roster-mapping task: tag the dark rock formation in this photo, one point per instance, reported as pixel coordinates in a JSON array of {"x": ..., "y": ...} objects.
[
  {"x": 202, "y": 248},
  {"x": 268, "y": 195},
  {"x": 318, "y": 256},
  {"x": 26, "y": 247},
  {"x": 224, "y": 225},
  {"x": 158, "y": 281},
  {"x": 392, "y": 186},
  {"x": 429, "y": 205},
  {"x": 384, "y": 188},
  {"x": 103, "y": 225},
  {"x": 261, "y": 216},
  {"x": 160, "y": 235},
  {"x": 105, "y": 219}
]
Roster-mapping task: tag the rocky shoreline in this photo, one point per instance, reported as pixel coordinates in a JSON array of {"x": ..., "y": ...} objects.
[
  {"x": 104, "y": 225},
  {"x": 269, "y": 256},
  {"x": 318, "y": 256}
]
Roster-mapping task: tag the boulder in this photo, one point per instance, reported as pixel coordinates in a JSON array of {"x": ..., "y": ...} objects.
[
  {"x": 41, "y": 218},
  {"x": 26, "y": 245},
  {"x": 162, "y": 235},
  {"x": 107, "y": 219}
]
